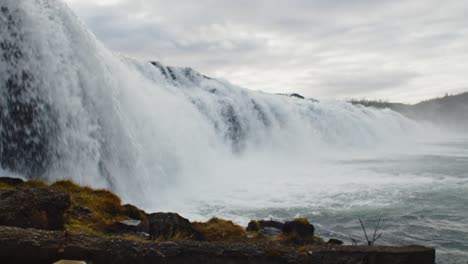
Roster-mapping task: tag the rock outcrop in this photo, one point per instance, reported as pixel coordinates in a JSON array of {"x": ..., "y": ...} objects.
[
  {"x": 268, "y": 228},
  {"x": 300, "y": 226},
  {"x": 171, "y": 226},
  {"x": 11, "y": 181},
  {"x": 41, "y": 246},
  {"x": 33, "y": 207}
]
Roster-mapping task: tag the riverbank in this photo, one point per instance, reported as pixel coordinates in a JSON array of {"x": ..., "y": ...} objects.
[{"x": 41, "y": 223}]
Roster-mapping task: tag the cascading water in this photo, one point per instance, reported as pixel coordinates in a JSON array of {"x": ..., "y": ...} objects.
[
  {"x": 70, "y": 108},
  {"x": 168, "y": 138}
]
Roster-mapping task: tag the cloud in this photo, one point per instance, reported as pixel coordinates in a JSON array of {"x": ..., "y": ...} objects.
[{"x": 398, "y": 50}]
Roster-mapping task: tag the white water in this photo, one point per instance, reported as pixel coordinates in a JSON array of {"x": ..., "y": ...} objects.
[
  {"x": 151, "y": 132},
  {"x": 182, "y": 142}
]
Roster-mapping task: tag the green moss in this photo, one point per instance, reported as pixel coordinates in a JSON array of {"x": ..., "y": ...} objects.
[{"x": 220, "y": 230}]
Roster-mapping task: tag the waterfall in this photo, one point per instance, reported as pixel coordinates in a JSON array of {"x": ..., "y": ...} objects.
[{"x": 70, "y": 108}]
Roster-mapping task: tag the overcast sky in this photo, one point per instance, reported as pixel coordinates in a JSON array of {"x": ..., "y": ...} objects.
[{"x": 398, "y": 50}]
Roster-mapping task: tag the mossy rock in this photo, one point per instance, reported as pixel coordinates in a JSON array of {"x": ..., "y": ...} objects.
[
  {"x": 171, "y": 226},
  {"x": 11, "y": 182},
  {"x": 299, "y": 231},
  {"x": 105, "y": 208}
]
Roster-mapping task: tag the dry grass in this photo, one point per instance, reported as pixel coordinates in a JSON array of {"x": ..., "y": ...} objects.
[
  {"x": 104, "y": 205},
  {"x": 33, "y": 184},
  {"x": 5, "y": 186},
  {"x": 302, "y": 220},
  {"x": 220, "y": 230},
  {"x": 297, "y": 239}
]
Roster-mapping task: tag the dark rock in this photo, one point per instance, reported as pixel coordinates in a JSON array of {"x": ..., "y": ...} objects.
[
  {"x": 33, "y": 207},
  {"x": 171, "y": 225},
  {"x": 130, "y": 226},
  {"x": 11, "y": 181},
  {"x": 297, "y": 95},
  {"x": 268, "y": 228},
  {"x": 253, "y": 226},
  {"x": 40, "y": 246},
  {"x": 335, "y": 241},
  {"x": 134, "y": 212},
  {"x": 300, "y": 227},
  {"x": 270, "y": 231},
  {"x": 271, "y": 223}
]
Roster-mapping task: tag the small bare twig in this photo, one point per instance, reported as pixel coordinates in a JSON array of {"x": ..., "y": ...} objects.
[
  {"x": 354, "y": 241},
  {"x": 377, "y": 228},
  {"x": 365, "y": 233},
  {"x": 376, "y": 235}
]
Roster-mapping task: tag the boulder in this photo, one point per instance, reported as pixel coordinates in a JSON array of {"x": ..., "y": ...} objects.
[
  {"x": 130, "y": 226},
  {"x": 300, "y": 227},
  {"x": 33, "y": 208},
  {"x": 268, "y": 228},
  {"x": 257, "y": 225},
  {"x": 171, "y": 226},
  {"x": 270, "y": 231},
  {"x": 11, "y": 181},
  {"x": 134, "y": 212},
  {"x": 335, "y": 241}
]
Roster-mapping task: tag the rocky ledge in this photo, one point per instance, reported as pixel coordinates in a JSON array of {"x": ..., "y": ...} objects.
[
  {"x": 19, "y": 245},
  {"x": 41, "y": 223}
]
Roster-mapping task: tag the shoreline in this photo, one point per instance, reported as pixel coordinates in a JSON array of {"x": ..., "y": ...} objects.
[{"x": 42, "y": 223}]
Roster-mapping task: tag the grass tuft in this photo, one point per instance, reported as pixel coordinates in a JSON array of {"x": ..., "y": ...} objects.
[
  {"x": 217, "y": 229},
  {"x": 5, "y": 186},
  {"x": 104, "y": 205},
  {"x": 33, "y": 184},
  {"x": 302, "y": 220}
]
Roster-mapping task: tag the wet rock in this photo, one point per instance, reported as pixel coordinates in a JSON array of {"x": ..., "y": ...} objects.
[
  {"x": 297, "y": 95},
  {"x": 270, "y": 231},
  {"x": 300, "y": 227},
  {"x": 33, "y": 207},
  {"x": 268, "y": 228},
  {"x": 11, "y": 181},
  {"x": 335, "y": 241},
  {"x": 257, "y": 225},
  {"x": 170, "y": 226},
  {"x": 130, "y": 226},
  {"x": 134, "y": 212}
]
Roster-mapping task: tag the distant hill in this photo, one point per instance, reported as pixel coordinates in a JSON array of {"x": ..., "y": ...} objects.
[{"x": 450, "y": 110}]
